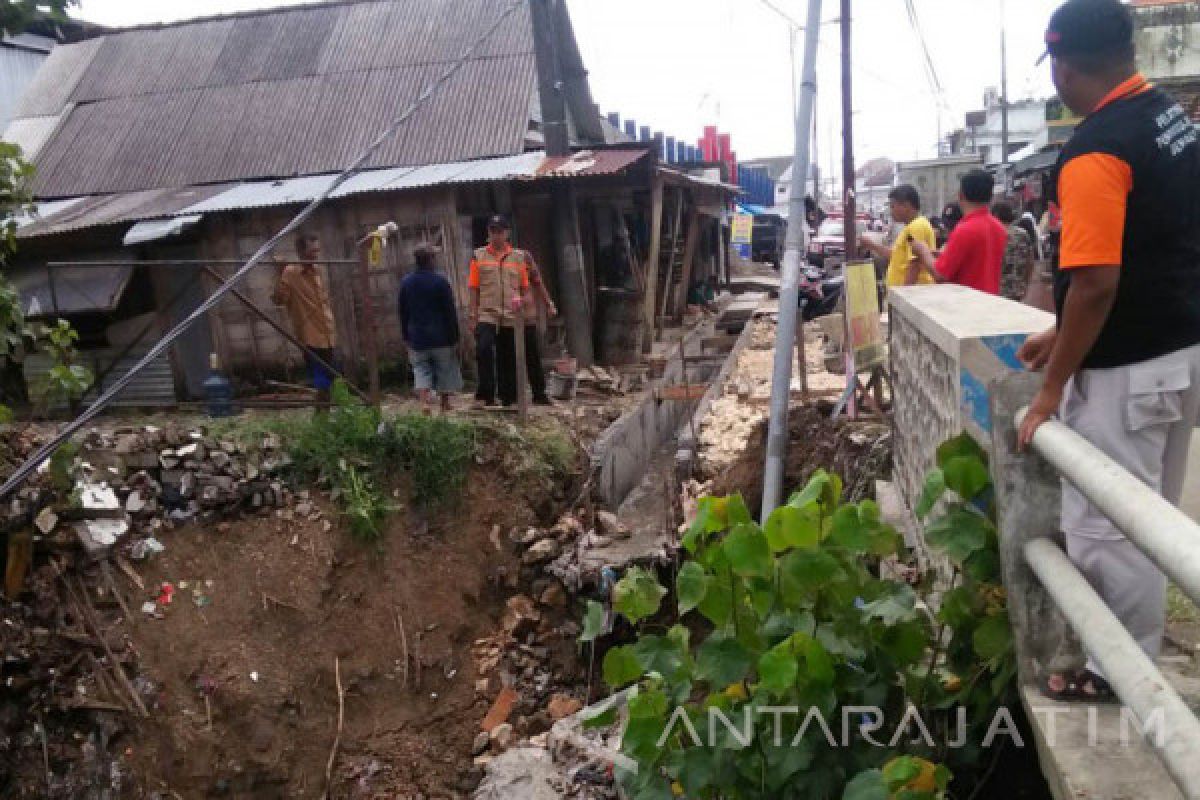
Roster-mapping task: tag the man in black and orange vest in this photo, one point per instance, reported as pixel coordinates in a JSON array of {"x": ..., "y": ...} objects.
[
  {"x": 1122, "y": 366},
  {"x": 499, "y": 282}
]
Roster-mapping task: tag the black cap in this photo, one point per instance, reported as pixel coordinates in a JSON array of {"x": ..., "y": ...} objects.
[
  {"x": 1081, "y": 27},
  {"x": 499, "y": 221}
]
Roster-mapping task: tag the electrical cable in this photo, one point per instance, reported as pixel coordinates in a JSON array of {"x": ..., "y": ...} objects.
[{"x": 33, "y": 462}]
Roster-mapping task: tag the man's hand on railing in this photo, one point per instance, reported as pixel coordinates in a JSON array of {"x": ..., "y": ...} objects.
[{"x": 1044, "y": 406}]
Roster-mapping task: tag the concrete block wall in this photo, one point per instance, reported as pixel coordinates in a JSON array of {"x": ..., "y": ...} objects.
[{"x": 948, "y": 344}]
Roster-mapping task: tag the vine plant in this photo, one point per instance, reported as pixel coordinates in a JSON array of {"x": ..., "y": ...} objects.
[{"x": 791, "y": 616}]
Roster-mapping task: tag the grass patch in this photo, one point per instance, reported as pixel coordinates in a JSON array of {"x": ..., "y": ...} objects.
[{"x": 1180, "y": 609}]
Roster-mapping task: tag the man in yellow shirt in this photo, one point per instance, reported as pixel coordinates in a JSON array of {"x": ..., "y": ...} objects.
[{"x": 905, "y": 205}]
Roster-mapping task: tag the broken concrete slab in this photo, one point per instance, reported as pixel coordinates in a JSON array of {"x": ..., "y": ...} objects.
[
  {"x": 525, "y": 773},
  {"x": 99, "y": 535}
]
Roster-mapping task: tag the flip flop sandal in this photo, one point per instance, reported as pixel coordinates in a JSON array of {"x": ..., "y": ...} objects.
[{"x": 1080, "y": 686}]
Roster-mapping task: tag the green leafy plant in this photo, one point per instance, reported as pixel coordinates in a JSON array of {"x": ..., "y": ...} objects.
[
  {"x": 791, "y": 615},
  {"x": 66, "y": 381},
  {"x": 363, "y": 505},
  {"x": 17, "y": 15}
]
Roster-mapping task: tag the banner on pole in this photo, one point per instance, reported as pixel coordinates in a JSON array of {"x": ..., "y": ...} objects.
[{"x": 862, "y": 310}]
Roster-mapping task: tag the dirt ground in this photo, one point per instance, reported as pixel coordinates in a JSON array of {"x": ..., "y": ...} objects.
[
  {"x": 286, "y": 599},
  {"x": 860, "y": 451}
]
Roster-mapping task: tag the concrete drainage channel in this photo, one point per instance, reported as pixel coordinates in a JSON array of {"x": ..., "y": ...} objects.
[{"x": 640, "y": 462}]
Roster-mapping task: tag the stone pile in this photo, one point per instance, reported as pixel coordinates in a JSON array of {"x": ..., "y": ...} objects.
[
  {"x": 138, "y": 482},
  {"x": 530, "y": 671}
]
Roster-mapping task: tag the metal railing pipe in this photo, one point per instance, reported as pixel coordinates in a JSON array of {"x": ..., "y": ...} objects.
[
  {"x": 1133, "y": 676},
  {"x": 1165, "y": 534}
]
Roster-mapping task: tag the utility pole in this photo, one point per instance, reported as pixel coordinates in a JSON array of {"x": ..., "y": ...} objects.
[
  {"x": 572, "y": 281},
  {"x": 850, "y": 226},
  {"x": 789, "y": 291},
  {"x": 1004, "y": 96}
]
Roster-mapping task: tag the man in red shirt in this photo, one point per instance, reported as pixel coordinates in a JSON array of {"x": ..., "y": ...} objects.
[{"x": 974, "y": 255}]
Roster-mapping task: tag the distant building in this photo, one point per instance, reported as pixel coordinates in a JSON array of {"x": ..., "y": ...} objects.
[
  {"x": 1167, "y": 34},
  {"x": 783, "y": 185},
  {"x": 983, "y": 131},
  {"x": 937, "y": 179},
  {"x": 22, "y": 54}
]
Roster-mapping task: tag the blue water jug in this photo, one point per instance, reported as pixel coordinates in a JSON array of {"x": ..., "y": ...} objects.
[{"x": 218, "y": 391}]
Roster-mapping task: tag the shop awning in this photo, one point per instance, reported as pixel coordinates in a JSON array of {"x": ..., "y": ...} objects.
[{"x": 70, "y": 290}]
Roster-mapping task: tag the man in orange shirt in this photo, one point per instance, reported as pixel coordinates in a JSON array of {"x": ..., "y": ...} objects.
[
  {"x": 1122, "y": 366},
  {"x": 499, "y": 285}
]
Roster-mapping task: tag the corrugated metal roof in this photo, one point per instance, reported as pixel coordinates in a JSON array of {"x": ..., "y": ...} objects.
[
  {"x": 153, "y": 386},
  {"x": 295, "y": 92},
  {"x": 89, "y": 212},
  {"x": 73, "y": 214}
]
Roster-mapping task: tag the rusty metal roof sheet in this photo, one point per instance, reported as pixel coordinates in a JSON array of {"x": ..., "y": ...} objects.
[
  {"x": 298, "y": 91},
  {"x": 591, "y": 162}
]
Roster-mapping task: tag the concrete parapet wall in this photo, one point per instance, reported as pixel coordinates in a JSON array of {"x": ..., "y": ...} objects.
[{"x": 948, "y": 344}]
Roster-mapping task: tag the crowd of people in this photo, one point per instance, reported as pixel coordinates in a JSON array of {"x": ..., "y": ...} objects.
[{"x": 987, "y": 245}]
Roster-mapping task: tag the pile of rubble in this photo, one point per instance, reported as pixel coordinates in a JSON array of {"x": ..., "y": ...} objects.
[
  {"x": 132, "y": 484},
  {"x": 531, "y": 669}
]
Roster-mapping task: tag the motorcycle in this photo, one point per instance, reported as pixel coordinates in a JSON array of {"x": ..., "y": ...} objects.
[{"x": 819, "y": 294}]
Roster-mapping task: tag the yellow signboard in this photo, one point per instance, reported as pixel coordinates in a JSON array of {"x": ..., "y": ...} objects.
[
  {"x": 862, "y": 309},
  {"x": 743, "y": 229}
]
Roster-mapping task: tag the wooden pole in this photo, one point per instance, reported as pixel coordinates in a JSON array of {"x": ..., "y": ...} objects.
[
  {"x": 652, "y": 258},
  {"x": 368, "y": 331},
  {"x": 689, "y": 258},
  {"x": 522, "y": 372}
]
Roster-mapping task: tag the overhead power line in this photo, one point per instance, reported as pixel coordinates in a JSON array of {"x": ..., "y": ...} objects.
[
  {"x": 930, "y": 69},
  {"x": 31, "y": 464}
]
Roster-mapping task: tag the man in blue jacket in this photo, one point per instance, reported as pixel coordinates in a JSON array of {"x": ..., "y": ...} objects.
[{"x": 429, "y": 324}]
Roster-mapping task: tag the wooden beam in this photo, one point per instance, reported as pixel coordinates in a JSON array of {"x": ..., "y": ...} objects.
[
  {"x": 689, "y": 258},
  {"x": 651, "y": 265}
]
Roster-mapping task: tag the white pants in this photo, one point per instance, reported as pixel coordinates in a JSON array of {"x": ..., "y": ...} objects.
[{"x": 1142, "y": 417}]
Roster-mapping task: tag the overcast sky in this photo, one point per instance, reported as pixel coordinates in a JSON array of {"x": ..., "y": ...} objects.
[{"x": 677, "y": 65}]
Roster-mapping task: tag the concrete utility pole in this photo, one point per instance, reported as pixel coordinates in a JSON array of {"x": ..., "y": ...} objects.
[
  {"x": 572, "y": 283},
  {"x": 1004, "y": 96},
  {"x": 850, "y": 226},
  {"x": 793, "y": 259}
]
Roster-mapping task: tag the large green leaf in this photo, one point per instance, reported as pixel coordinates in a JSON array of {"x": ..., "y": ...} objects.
[
  {"x": 966, "y": 475},
  {"x": 781, "y": 624},
  {"x": 621, "y": 666},
  {"x": 961, "y": 446},
  {"x": 648, "y": 704},
  {"x": 860, "y": 530},
  {"x": 805, "y": 572},
  {"x": 638, "y": 594},
  {"x": 896, "y": 605},
  {"x": 789, "y": 527},
  {"x": 868, "y": 785},
  {"x": 748, "y": 552},
  {"x": 691, "y": 584},
  {"x": 817, "y": 662},
  {"x": 993, "y": 638},
  {"x": 958, "y": 607},
  {"x": 736, "y": 512},
  {"x": 717, "y": 605},
  {"x": 658, "y": 654},
  {"x": 722, "y": 661},
  {"x": 696, "y": 768},
  {"x": 905, "y": 642},
  {"x": 931, "y": 492},
  {"x": 958, "y": 533},
  {"x": 593, "y": 622},
  {"x": 777, "y": 668}
]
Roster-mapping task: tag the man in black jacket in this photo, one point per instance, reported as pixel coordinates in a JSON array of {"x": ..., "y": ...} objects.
[{"x": 429, "y": 324}]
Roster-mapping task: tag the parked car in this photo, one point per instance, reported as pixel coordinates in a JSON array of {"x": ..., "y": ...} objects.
[{"x": 829, "y": 243}]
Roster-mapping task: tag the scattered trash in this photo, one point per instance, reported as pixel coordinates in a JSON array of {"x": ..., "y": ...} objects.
[
  {"x": 166, "y": 593},
  {"x": 254, "y": 676},
  {"x": 144, "y": 548}
]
